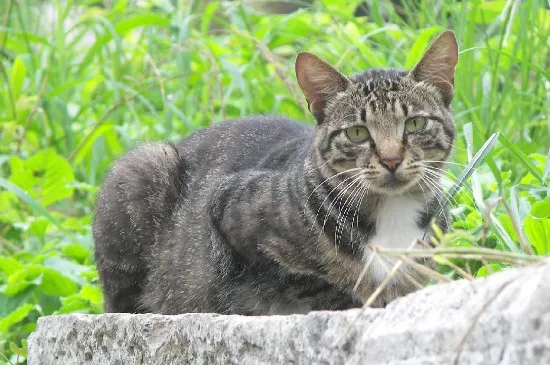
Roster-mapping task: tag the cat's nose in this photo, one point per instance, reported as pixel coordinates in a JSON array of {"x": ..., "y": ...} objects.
[{"x": 391, "y": 163}]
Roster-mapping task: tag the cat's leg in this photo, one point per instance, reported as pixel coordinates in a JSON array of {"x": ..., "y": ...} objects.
[{"x": 135, "y": 204}]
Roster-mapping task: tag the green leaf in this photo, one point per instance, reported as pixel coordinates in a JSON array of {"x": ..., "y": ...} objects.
[
  {"x": 419, "y": 46},
  {"x": 53, "y": 283},
  {"x": 25, "y": 197},
  {"x": 521, "y": 157},
  {"x": 476, "y": 184},
  {"x": 46, "y": 175},
  {"x": 67, "y": 268},
  {"x": 17, "y": 77},
  {"x": 487, "y": 12},
  {"x": 50, "y": 281},
  {"x": 76, "y": 252},
  {"x": 541, "y": 209},
  {"x": 15, "y": 317},
  {"x": 546, "y": 171},
  {"x": 10, "y": 303},
  {"x": 121, "y": 28},
  {"x": 9, "y": 265},
  {"x": 91, "y": 293},
  {"x": 537, "y": 226},
  {"x": 16, "y": 287},
  {"x": 483, "y": 271},
  {"x": 468, "y": 170}
]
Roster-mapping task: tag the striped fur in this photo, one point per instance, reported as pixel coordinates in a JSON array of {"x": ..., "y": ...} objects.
[{"x": 264, "y": 215}]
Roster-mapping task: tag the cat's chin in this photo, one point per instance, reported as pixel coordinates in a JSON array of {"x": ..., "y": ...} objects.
[{"x": 393, "y": 186}]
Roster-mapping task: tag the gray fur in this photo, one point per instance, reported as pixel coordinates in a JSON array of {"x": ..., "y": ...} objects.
[{"x": 261, "y": 215}]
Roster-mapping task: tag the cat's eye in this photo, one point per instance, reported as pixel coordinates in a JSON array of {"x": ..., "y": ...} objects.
[
  {"x": 415, "y": 124},
  {"x": 357, "y": 134}
]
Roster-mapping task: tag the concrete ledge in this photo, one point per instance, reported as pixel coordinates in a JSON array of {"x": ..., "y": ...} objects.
[{"x": 503, "y": 319}]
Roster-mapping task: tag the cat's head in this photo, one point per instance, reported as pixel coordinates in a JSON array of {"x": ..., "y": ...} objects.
[{"x": 393, "y": 125}]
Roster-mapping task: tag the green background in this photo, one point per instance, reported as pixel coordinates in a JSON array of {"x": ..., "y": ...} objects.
[{"x": 83, "y": 81}]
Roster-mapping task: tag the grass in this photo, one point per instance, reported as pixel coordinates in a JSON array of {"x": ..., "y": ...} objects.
[{"x": 80, "y": 84}]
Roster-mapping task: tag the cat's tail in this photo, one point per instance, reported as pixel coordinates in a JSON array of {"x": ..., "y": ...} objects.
[{"x": 137, "y": 200}]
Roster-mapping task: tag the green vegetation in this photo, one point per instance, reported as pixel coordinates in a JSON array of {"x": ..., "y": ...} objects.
[{"x": 80, "y": 84}]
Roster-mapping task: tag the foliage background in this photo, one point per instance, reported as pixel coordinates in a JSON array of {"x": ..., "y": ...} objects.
[{"x": 82, "y": 82}]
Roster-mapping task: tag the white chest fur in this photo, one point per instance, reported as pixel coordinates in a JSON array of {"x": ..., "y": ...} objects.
[{"x": 396, "y": 227}]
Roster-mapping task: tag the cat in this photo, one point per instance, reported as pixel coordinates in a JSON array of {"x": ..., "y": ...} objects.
[{"x": 264, "y": 215}]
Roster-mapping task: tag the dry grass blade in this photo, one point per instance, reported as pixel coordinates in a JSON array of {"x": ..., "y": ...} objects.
[
  {"x": 475, "y": 320},
  {"x": 424, "y": 269},
  {"x": 477, "y": 253}
]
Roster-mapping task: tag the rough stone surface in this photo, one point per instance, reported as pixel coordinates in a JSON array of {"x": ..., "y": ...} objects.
[{"x": 503, "y": 319}]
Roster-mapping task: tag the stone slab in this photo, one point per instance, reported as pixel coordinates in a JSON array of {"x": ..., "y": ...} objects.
[{"x": 503, "y": 319}]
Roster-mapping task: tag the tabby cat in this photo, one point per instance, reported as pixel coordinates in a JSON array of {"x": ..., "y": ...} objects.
[{"x": 264, "y": 215}]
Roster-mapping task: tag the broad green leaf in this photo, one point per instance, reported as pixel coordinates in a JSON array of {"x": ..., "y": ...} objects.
[
  {"x": 53, "y": 283},
  {"x": 49, "y": 280},
  {"x": 9, "y": 265},
  {"x": 16, "y": 287},
  {"x": 537, "y": 226},
  {"x": 45, "y": 175},
  {"x": 92, "y": 293},
  {"x": 483, "y": 271},
  {"x": 66, "y": 267},
  {"x": 8, "y": 303},
  {"x": 15, "y": 317},
  {"x": 25, "y": 197},
  {"x": 76, "y": 252},
  {"x": 73, "y": 304}
]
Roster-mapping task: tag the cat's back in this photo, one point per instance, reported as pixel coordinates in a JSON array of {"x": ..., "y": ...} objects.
[{"x": 261, "y": 142}]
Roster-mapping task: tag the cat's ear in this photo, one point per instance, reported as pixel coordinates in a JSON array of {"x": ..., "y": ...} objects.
[
  {"x": 319, "y": 82},
  {"x": 437, "y": 66}
]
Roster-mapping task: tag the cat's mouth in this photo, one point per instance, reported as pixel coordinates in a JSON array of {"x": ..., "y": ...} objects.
[{"x": 394, "y": 184}]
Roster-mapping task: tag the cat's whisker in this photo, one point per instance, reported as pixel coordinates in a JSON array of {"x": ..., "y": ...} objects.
[
  {"x": 338, "y": 197},
  {"x": 439, "y": 202},
  {"x": 448, "y": 198},
  {"x": 446, "y": 162},
  {"x": 454, "y": 146},
  {"x": 343, "y": 213},
  {"x": 439, "y": 175},
  {"x": 330, "y": 178},
  {"x": 431, "y": 186},
  {"x": 359, "y": 204},
  {"x": 439, "y": 189},
  {"x": 243, "y": 199},
  {"x": 327, "y": 197},
  {"x": 356, "y": 193},
  {"x": 332, "y": 205},
  {"x": 439, "y": 172},
  {"x": 424, "y": 195}
]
